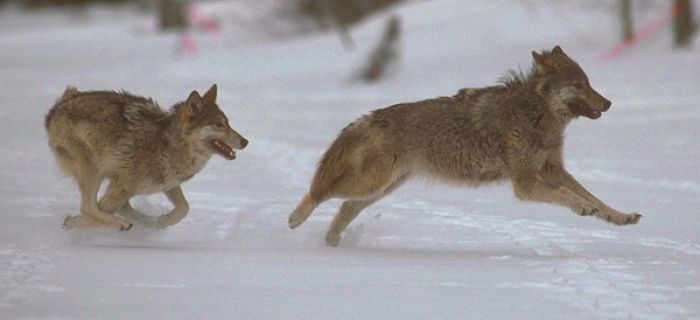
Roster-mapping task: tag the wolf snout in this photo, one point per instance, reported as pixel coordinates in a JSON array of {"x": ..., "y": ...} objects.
[
  {"x": 599, "y": 102},
  {"x": 243, "y": 143},
  {"x": 606, "y": 104}
]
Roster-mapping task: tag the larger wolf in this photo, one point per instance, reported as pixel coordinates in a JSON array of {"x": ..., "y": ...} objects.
[
  {"x": 139, "y": 147},
  {"x": 512, "y": 131}
]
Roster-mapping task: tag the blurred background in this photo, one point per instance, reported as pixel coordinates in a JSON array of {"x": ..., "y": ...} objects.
[
  {"x": 373, "y": 41},
  {"x": 291, "y": 74},
  {"x": 619, "y": 25},
  {"x": 383, "y": 49}
]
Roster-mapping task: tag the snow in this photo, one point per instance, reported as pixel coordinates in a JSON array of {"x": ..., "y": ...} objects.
[{"x": 426, "y": 252}]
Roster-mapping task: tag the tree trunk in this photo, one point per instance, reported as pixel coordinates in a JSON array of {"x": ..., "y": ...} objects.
[
  {"x": 173, "y": 15},
  {"x": 627, "y": 25},
  {"x": 683, "y": 23},
  {"x": 386, "y": 53}
]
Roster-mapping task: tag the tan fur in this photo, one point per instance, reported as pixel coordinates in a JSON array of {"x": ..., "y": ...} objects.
[
  {"x": 513, "y": 131},
  {"x": 139, "y": 147}
]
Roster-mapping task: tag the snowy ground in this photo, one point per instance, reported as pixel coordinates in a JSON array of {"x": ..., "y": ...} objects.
[{"x": 426, "y": 252}]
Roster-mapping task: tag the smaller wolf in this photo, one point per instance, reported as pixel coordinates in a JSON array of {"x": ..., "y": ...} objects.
[
  {"x": 139, "y": 147},
  {"x": 513, "y": 131}
]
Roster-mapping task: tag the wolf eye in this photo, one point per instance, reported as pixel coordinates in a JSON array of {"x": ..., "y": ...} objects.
[
  {"x": 220, "y": 125},
  {"x": 577, "y": 85}
]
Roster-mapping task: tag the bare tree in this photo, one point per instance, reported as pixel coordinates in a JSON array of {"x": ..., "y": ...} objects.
[
  {"x": 333, "y": 13},
  {"x": 173, "y": 14},
  {"x": 684, "y": 25},
  {"x": 386, "y": 53},
  {"x": 340, "y": 15},
  {"x": 627, "y": 23}
]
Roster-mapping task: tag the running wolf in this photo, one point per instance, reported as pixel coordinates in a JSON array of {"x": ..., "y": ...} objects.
[
  {"x": 512, "y": 131},
  {"x": 140, "y": 148}
]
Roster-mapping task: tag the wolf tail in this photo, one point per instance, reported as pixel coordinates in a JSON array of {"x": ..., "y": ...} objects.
[
  {"x": 70, "y": 92},
  {"x": 302, "y": 212},
  {"x": 330, "y": 170}
]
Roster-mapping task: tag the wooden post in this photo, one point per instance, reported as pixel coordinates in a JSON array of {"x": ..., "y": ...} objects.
[
  {"x": 386, "y": 53},
  {"x": 626, "y": 13},
  {"x": 173, "y": 15},
  {"x": 683, "y": 23}
]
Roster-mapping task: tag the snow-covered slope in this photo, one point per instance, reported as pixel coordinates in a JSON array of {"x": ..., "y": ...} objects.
[{"x": 426, "y": 252}]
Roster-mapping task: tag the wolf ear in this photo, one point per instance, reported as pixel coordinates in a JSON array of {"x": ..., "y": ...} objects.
[
  {"x": 210, "y": 96},
  {"x": 194, "y": 101},
  {"x": 557, "y": 50},
  {"x": 192, "y": 105},
  {"x": 540, "y": 59},
  {"x": 543, "y": 63}
]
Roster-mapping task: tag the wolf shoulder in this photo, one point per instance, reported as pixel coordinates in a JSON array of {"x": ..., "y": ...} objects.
[
  {"x": 465, "y": 109},
  {"x": 105, "y": 108}
]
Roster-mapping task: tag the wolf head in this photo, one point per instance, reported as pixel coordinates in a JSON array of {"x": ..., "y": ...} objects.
[
  {"x": 203, "y": 121},
  {"x": 566, "y": 86}
]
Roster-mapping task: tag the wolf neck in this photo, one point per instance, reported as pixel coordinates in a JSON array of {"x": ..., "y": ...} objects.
[
  {"x": 527, "y": 89},
  {"x": 185, "y": 156}
]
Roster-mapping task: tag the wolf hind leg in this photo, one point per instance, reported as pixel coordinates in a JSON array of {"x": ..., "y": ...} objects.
[
  {"x": 80, "y": 221},
  {"x": 112, "y": 200},
  {"x": 66, "y": 164},
  {"x": 64, "y": 159},
  {"x": 350, "y": 209},
  {"x": 89, "y": 179},
  {"x": 97, "y": 217}
]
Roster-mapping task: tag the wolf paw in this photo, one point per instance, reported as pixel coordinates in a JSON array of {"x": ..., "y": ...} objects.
[
  {"x": 119, "y": 224},
  {"x": 162, "y": 222},
  {"x": 167, "y": 220},
  {"x": 295, "y": 221},
  {"x": 332, "y": 239},
  {"x": 68, "y": 223},
  {"x": 79, "y": 221},
  {"x": 620, "y": 219},
  {"x": 632, "y": 218},
  {"x": 84, "y": 221}
]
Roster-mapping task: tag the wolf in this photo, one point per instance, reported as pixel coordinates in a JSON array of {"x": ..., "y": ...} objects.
[
  {"x": 139, "y": 147},
  {"x": 511, "y": 131}
]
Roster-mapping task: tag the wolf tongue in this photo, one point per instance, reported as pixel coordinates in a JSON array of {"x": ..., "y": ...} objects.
[{"x": 223, "y": 149}]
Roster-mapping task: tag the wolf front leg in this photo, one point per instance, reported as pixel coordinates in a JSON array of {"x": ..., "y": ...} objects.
[
  {"x": 557, "y": 174},
  {"x": 178, "y": 213},
  {"x": 533, "y": 188}
]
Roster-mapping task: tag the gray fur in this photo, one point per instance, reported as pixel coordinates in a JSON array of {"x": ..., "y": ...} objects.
[
  {"x": 137, "y": 146},
  {"x": 513, "y": 131}
]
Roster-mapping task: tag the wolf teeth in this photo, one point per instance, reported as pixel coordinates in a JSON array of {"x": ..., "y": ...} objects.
[{"x": 223, "y": 149}]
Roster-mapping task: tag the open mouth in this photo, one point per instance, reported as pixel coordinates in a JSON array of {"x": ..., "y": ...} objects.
[
  {"x": 583, "y": 109},
  {"x": 223, "y": 149}
]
